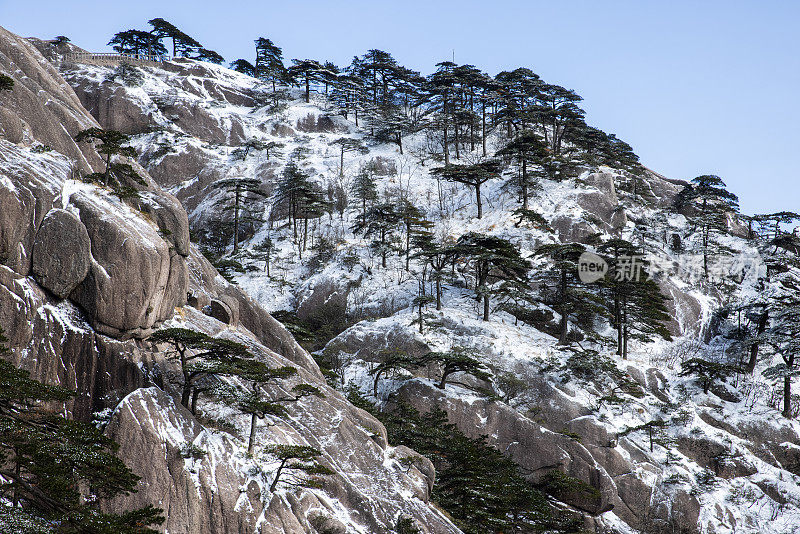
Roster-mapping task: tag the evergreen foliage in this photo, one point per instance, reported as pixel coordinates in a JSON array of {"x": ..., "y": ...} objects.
[
  {"x": 298, "y": 464},
  {"x": 241, "y": 197},
  {"x": 493, "y": 259},
  {"x": 482, "y": 489},
  {"x": 708, "y": 204},
  {"x": 55, "y": 472},
  {"x": 6, "y": 83}
]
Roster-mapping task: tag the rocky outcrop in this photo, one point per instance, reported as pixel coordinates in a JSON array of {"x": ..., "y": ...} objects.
[
  {"x": 131, "y": 110},
  {"x": 41, "y": 107},
  {"x": 62, "y": 252},
  {"x": 221, "y": 490},
  {"x": 135, "y": 280},
  {"x": 206, "y": 285},
  {"x": 536, "y": 450},
  {"x": 125, "y": 267},
  {"x": 602, "y": 208}
]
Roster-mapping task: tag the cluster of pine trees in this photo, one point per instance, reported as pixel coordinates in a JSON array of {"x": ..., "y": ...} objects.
[
  {"x": 55, "y": 472},
  {"x": 149, "y": 42},
  {"x": 458, "y": 106},
  {"x": 482, "y": 489}
]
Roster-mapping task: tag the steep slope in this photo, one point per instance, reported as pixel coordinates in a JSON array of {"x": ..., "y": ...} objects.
[
  {"x": 85, "y": 277},
  {"x": 662, "y": 455}
]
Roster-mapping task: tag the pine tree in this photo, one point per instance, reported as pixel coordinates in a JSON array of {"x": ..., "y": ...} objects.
[
  {"x": 294, "y": 458},
  {"x": 439, "y": 99},
  {"x": 254, "y": 401},
  {"x": 493, "y": 259},
  {"x": 710, "y": 204},
  {"x": 203, "y": 54},
  {"x": 561, "y": 288},
  {"x": 306, "y": 71},
  {"x": 436, "y": 254},
  {"x": 381, "y": 222},
  {"x": 200, "y": 356},
  {"x": 783, "y": 336},
  {"x": 137, "y": 42},
  {"x": 471, "y": 175},
  {"x": 635, "y": 304},
  {"x": 413, "y": 220},
  {"x": 560, "y": 112},
  {"x": 58, "y": 471},
  {"x": 6, "y": 83},
  {"x": 111, "y": 143},
  {"x": 347, "y": 144},
  {"x": 269, "y": 62},
  {"x": 391, "y": 362},
  {"x": 182, "y": 44},
  {"x": 529, "y": 150},
  {"x": 329, "y": 73},
  {"x": 456, "y": 360},
  {"x": 364, "y": 189},
  {"x": 301, "y": 199},
  {"x": 242, "y": 196},
  {"x": 266, "y": 248},
  {"x": 244, "y": 66}
]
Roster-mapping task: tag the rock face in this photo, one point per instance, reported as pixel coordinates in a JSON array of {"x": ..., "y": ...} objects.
[
  {"x": 224, "y": 491},
  {"x": 61, "y": 252},
  {"x": 41, "y": 107},
  {"x": 131, "y": 283},
  {"x": 537, "y": 450},
  {"x": 125, "y": 269},
  {"x": 81, "y": 272}
]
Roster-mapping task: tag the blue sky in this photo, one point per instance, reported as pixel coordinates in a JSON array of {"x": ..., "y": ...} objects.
[{"x": 695, "y": 87}]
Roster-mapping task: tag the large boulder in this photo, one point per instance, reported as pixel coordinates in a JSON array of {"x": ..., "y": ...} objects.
[
  {"x": 133, "y": 282},
  {"x": 29, "y": 184},
  {"x": 61, "y": 252},
  {"x": 170, "y": 217},
  {"x": 200, "y": 496}
]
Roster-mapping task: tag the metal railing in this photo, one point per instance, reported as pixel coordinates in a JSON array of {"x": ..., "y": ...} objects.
[{"x": 113, "y": 57}]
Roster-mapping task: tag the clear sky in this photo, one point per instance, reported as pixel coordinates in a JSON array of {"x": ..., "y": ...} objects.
[{"x": 696, "y": 87}]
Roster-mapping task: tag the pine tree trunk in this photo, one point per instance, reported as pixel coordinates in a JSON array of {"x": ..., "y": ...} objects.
[
  {"x": 446, "y": 148},
  {"x": 187, "y": 389},
  {"x": 787, "y": 396},
  {"x": 618, "y": 321},
  {"x": 483, "y": 129},
  {"x": 236, "y": 221},
  {"x": 524, "y": 184},
  {"x": 438, "y": 290},
  {"x": 485, "y": 305},
  {"x": 478, "y": 200},
  {"x": 277, "y": 476},
  {"x": 308, "y": 91},
  {"x": 760, "y": 328},
  {"x": 108, "y": 169},
  {"x": 408, "y": 246},
  {"x": 383, "y": 249},
  {"x": 195, "y": 394},
  {"x": 251, "y": 442},
  {"x": 443, "y": 381},
  {"x": 564, "y": 321}
]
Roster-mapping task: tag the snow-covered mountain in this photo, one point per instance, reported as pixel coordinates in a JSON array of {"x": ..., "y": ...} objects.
[{"x": 659, "y": 451}]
